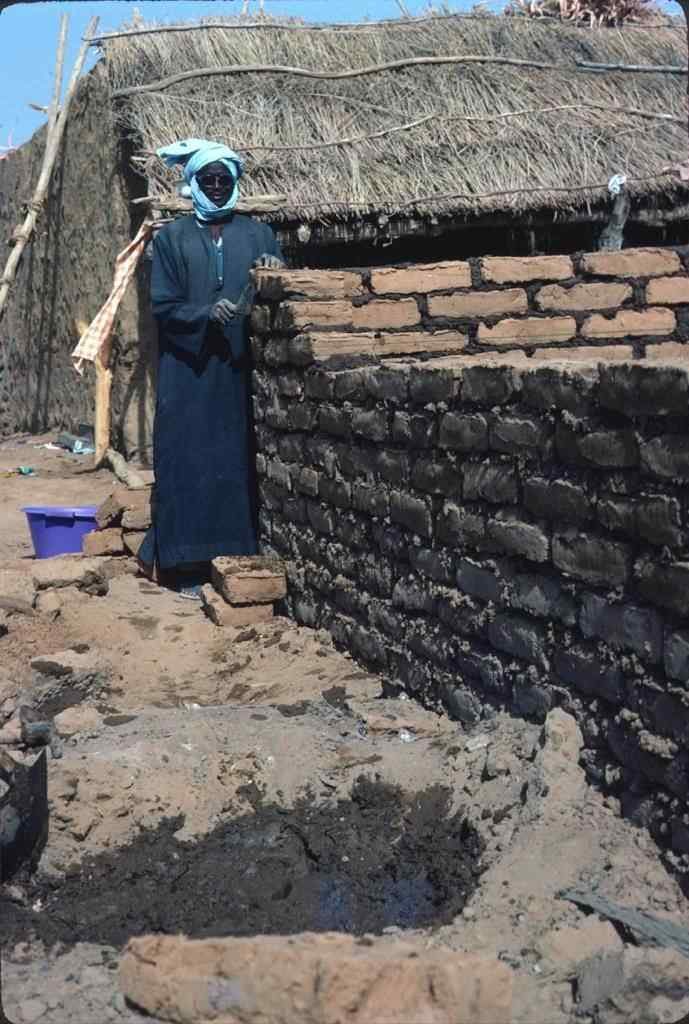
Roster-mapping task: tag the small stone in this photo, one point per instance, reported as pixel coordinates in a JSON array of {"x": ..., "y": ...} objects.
[
  {"x": 49, "y": 603},
  {"x": 32, "y": 1010},
  {"x": 77, "y": 719}
]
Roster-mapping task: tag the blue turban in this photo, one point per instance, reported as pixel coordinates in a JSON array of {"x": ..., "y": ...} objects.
[{"x": 196, "y": 154}]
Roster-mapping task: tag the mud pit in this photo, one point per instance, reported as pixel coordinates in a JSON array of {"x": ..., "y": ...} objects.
[{"x": 381, "y": 859}]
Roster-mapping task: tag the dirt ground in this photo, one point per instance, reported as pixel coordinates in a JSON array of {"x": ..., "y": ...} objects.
[{"x": 220, "y": 782}]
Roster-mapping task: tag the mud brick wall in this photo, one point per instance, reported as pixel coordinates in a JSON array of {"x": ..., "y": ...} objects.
[{"x": 492, "y": 530}]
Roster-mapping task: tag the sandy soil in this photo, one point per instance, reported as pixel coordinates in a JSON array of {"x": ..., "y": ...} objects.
[{"x": 174, "y": 729}]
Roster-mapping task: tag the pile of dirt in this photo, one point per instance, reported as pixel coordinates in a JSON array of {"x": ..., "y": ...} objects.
[{"x": 382, "y": 858}]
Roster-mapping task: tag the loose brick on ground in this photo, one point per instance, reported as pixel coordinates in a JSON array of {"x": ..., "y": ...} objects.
[
  {"x": 103, "y": 542},
  {"x": 249, "y": 580},
  {"x": 223, "y": 614}
]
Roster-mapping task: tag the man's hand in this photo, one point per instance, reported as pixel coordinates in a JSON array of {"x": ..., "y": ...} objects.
[
  {"x": 269, "y": 262},
  {"x": 223, "y": 311}
]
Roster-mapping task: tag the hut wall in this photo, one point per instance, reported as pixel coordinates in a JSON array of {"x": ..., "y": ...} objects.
[
  {"x": 495, "y": 530},
  {"x": 65, "y": 276}
]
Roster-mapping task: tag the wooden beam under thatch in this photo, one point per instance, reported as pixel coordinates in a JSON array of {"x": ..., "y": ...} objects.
[{"x": 178, "y": 204}]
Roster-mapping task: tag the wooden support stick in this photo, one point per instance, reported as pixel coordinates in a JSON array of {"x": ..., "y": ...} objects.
[{"x": 53, "y": 141}]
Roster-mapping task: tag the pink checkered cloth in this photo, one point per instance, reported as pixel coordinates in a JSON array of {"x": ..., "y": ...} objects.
[{"x": 99, "y": 330}]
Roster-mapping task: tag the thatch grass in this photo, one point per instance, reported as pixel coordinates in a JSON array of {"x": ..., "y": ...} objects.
[{"x": 556, "y": 151}]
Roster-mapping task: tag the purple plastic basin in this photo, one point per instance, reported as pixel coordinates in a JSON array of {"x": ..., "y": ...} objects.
[{"x": 59, "y": 531}]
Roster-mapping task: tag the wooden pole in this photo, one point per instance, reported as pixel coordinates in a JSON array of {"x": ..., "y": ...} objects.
[
  {"x": 26, "y": 230},
  {"x": 101, "y": 427}
]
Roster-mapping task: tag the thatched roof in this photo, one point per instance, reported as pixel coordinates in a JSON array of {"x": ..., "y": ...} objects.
[{"x": 576, "y": 128}]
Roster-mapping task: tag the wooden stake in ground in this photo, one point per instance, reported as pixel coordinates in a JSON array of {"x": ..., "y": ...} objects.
[{"x": 24, "y": 233}]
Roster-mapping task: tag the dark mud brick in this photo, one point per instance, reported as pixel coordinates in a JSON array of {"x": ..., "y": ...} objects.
[
  {"x": 667, "y": 714},
  {"x": 429, "y": 642},
  {"x": 348, "y": 598},
  {"x": 495, "y": 482},
  {"x": 375, "y": 575},
  {"x": 548, "y": 387},
  {"x": 383, "y": 617},
  {"x": 249, "y": 579},
  {"x": 664, "y": 584},
  {"x": 623, "y": 626},
  {"x": 542, "y": 596},
  {"x": 349, "y": 385},
  {"x": 516, "y": 537},
  {"x": 436, "y": 565},
  {"x": 410, "y": 595},
  {"x": 656, "y": 518},
  {"x": 372, "y": 499},
  {"x": 413, "y": 431},
  {"x": 290, "y": 384},
  {"x": 335, "y": 492},
  {"x": 371, "y": 424},
  {"x": 560, "y": 500},
  {"x": 102, "y": 542},
  {"x": 393, "y": 467},
  {"x": 531, "y": 700},
  {"x": 135, "y": 505},
  {"x": 460, "y": 615},
  {"x": 412, "y": 513},
  {"x": 319, "y": 384},
  {"x": 353, "y": 532},
  {"x": 391, "y": 541},
  {"x": 276, "y": 417},
  {"x": 276, "y": 352},
  {"x": 333, "y": 420},
  {"x": 676, "y": 658},
  {"x": 306, "y": 611},
  {"x": 356, "y": 462},
  {"x": 520, "y": 637},
  {"x": 322, "y": 519},
  {"x": 666, "y": 457},
  {"x": 586, "y": 673},
  {"x": 646, "y": 754},
  {"x": 291, "y": 449},
  {"x": 321, "y": 452},
  {"x": 272, "y": 495},
  {"x": 457, "y": 527},
  {"x": 388, "y": 384},
  {"x": 261, "y": 465},
  {"x": 302, "y": 416},
  {"x": 223, "y": 614},
  {"x": 473, "y": 579},
  {"x": 679, "y": 835},
  {"x": 464, "y": 433},
  {"x": 369, "y": 646},
  {"x": 300, "y": 350},
  {"x": 462, "y": 705},
  {"x": 636, "y": 390},
  {"x": 266, "y": 439},
  {"x": 436, "y": 476},
  {"x": 257, "y": 347},
  {"x": 591, "y": 558},
  {"x": 294, "y": 510},
  {"x": 279, "y": 473},
  {"x": 608, "y": 449},
  {"x": 490, "y": 385},
  {"x": 430, "y": 386},
  {"x": 519, "y": 433}
]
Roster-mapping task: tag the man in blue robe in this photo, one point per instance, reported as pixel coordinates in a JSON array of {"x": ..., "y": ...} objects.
[{"x": 204, "y": 502}]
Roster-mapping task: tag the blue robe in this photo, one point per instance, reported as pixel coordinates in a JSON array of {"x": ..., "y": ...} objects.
[{"x": 204, "y": 502}]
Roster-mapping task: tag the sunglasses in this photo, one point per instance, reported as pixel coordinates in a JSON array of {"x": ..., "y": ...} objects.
[{"x": 217, "y": 180}]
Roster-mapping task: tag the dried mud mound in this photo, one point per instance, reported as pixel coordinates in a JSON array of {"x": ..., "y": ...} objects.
[{"x": 379, "y": 859}]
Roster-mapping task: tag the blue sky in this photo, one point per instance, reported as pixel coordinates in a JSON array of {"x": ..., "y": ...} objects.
[{"x": 28, "y": 39}]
